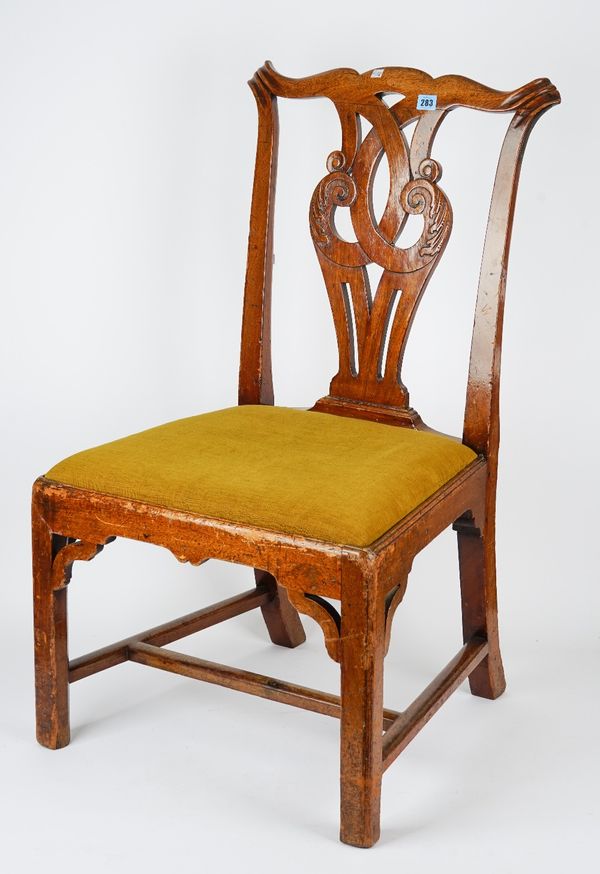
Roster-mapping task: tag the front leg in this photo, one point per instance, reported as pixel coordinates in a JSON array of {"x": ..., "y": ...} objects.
[
  {"x": 362, "y": 651},
  {"x": 53, "y": 557},
  {"x": 50, "y": 631}
]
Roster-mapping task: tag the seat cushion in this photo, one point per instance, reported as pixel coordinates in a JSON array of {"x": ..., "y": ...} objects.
[{"x": 315, "y": 474}]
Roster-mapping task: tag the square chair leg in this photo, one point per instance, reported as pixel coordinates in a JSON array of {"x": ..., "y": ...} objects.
[
  {"x": 50, "y": 630},
  {"x": 477, "y": 562},
  {"x": 281, "y": 617},
  {"x": 362, "y": 652}
]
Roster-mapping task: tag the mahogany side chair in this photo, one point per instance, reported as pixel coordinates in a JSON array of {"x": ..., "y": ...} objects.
[{"x": 330, "y": 503}]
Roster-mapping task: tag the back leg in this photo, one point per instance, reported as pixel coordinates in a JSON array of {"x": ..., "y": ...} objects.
[
  {"x": 477, "y": 562},
  {"x": 281, "y": 617}
]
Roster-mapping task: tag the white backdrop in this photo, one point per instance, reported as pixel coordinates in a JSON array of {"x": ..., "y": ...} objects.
[{"x": 126, "y": 153}]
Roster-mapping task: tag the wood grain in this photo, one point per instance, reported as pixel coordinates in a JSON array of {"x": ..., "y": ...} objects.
[{"x": 372, "y": 327}]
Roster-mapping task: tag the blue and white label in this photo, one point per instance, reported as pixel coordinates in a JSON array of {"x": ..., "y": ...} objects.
[
  {"x": 377, "y": 74},
  {"x": 427, "y": 101}
]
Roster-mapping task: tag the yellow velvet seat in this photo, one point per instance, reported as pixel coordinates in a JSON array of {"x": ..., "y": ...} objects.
[{"x": 322, "y": 476}]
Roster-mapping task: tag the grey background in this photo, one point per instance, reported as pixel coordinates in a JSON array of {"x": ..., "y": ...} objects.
[{"x": 126, "y": 153}]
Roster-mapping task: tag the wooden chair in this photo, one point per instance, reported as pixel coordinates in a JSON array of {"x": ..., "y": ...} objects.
[{"x": 331, "y": 503}]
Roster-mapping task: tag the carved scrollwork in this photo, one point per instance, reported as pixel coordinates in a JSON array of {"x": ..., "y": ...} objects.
[
  {"x": 364, "y": 335},
  {"x": 430, "y": 170},
  {"x": 451, "y": 90},
  {"x": 72, "y": 551},
  {"x": 322, "y": 612},
  {"x": 418, "y": 197},
  {"x": 363, "y": 320},
  {"x": 336, "y": 161},
  {"x": 533, "y": 98},
  {"x": 336, "y": 189},
  {"x": 422, "y": 197}
]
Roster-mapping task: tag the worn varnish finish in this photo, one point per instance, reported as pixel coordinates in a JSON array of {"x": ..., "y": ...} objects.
[{"x": 295, "y": 573}]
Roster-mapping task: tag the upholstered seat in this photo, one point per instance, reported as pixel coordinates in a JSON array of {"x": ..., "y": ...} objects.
[{"x": 323, "y": 476}]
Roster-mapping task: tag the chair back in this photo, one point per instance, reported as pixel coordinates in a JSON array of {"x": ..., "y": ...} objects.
[{"x": 372, "y": 324}]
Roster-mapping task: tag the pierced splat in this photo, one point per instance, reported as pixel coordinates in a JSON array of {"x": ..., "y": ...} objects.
[
  {"x": 372, "y": 324},
  {"x": 372, "y": 328}
]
